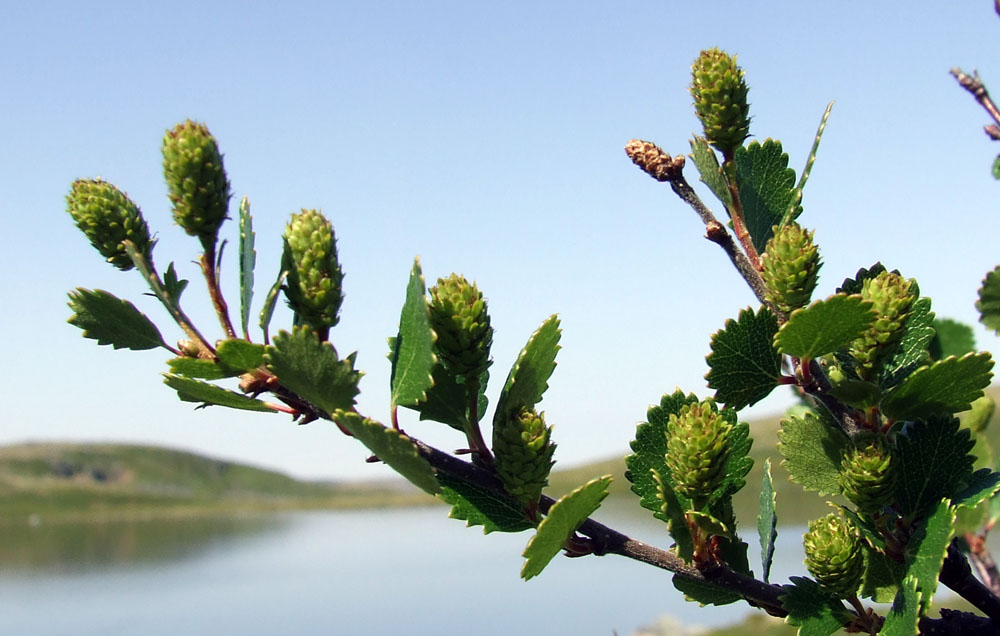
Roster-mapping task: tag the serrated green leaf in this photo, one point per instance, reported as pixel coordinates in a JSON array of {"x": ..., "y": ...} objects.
[
  {"x": 707, "y": 163},
  {"x": 989, "y": 300},
  {"x": 766, "y": 186},
  {"x": 951, "y": 338},
  {"x": 477, "y": 506},
  {"x": 563, "y": 519},
  {"x": 413, "y": 357},
  {"x": 248, "y": 260},
  {"x": 312, "y": 370},
  {"x": 191, "y": 390},
  {"x": 528, "y": 378},
  {"x": 904, "y": 615},
  {"x": 445, "y": 401},
  {"x": 981, "y": 485},
  {"x": 767, "y": 521},
  {"x": 744, "y": 365},
  {"x": 812, "y": 609},
  {"x": 200, "y": 368},
  {"x": 173, "y": 286},
  {"x": 932, "y": 462},
  {"x": 112, "y": 321},
  {"x": 240, "y": 355},
  {"x": 912, "y": 351},
  {"x": 824, "y": 326},
  {"x": 795, "y": 207},
  {"x": 392, "y": 447},
  {"x": 927, "y": 547},
  {"x": 882, "y": 576},
  {"x": 270, "y": 301},
  {"x": 738, "y": 464},
  {"x": 996, "y": 168},
  {"x": 946, "y": 386},
  {"x": 854, "y": 285},
  {"x": 812, "y": 450}
]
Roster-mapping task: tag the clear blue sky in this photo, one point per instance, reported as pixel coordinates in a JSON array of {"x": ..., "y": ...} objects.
[{"x": 487, "y": 138}]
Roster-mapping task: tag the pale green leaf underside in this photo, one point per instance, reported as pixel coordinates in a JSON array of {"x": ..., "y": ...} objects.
[
  {"x": 563, "y": 519},
  {"x": 814, "y": 611},
  {"x": 112, "y": 321},
  {"x": 199, "y": 368},
  {"x": 528, "y": 378},
  {"x": 393, "y": 448},
  {"x": 744, "y": 365},
  {"x": 812, "y": 450},
  {"x": 824, "y": 326},
  {"x": 767, "y": 188},
  {"x": 312, "y": 369},
  {"x": 413, "y": 355},
  {"x": 240, "y": 355},
  {"x": 946, "y": 386},
  {"x": 477, "y": 506},
  {"x": 709, "y": 171},
  {"x": 248, "y": 260},
  {"x": 989, "y": 299},
  {"x": 767, "y": 521},
  {"x": 191, "y": 390},
  {"x": 270, "y": 301}
]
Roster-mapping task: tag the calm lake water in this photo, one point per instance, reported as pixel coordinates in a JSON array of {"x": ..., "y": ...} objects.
[{"x": 390, "y": 572}]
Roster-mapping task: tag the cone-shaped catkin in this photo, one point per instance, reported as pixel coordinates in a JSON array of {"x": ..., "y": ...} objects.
[
  {"x": 315, "y": 280},
  {"x": 523, "y": 449},
  {"x": 459, "y": 317},
  {"x": 834, "y": 555},
  {"x": 107, "y": 216},
  {"x": 697, "y": 448},
  {"x": 196, "y": 180},
  {"x": 790, "y": 267},
  {"x": 867, "y": 475},
  {"x": 891, "y": 297},
  {"x": 720, "y": 99}
]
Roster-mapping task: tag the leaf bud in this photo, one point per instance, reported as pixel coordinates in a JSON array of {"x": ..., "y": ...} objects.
[
  {"x": 314, "y": 287},
  {"x": 790, "y": 267},
  {"x": 458, "y": 315},
  {"x": 720, "y": 100},
  {"x": 196, "y": 180},
  {"x": 107, "y": 217},
  {"x": 891, "y": 298},
  {"x": 834, "y": 554},
  {"x": 697, "y": 448},
  {"x": 523, "y": 451},
  {"x": 867, "y": 475}
]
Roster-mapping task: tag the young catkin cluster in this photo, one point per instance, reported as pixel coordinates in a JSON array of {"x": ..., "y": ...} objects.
[
  {"x": 523, "y": 447},
  {"x": 834, "y": 554},
  {"x": 108, "y": 217},
  {"x": 720, "y": 99},
  {"x": 314, "y": 287},
  {"x": 892, "y": 299},
  {"x": 697, "y": 447},
  {"x": 790, "y": 267},
  {"x": 196, "y": 180},
  {"x": 459, "y": 317}
]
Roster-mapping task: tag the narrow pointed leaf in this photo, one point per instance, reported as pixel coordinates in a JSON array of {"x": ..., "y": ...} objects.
[
  {"x": 812, "y": 450},
  {"x": 946, "y": 386},
  {"x": 989, "y": 299},
  {"x": 248, "y": 260},
  {"x": 478, "y": 506},
  {"x": 563, "y": 519},
  {"x": 312, "y": 369},
  {"x": 112, "y": 321},
  {"x": 392, "y": 447},
  {"x": 413, "y": 356},
  {"x": 824, "y": 326},
  {"x": 933, "y": 462},
  {"x": 172, "y": 285},
  {"x": 951, "y": 338},
  {"x": 528, "y": 378},
  {"x": 767, "y": 521},
  {"x": 927, "y": 547},
  {"x": 240, "y": 355},
  {"x": 767, "y": 188},
  {"x": 707, "y": 163},
  {"x": 744, "y": 365},
  {"x": 795, "y": 207},
  {"x": 812, "y": 609},
  {"x": 270, "y": 301},
  {"x": 191, "y": 390}
]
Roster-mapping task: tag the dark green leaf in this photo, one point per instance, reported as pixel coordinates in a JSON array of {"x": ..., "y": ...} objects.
[
  {"x": 477, "y": 506},
  {"x": 529, "y": 376},
  {"x": 112, "y": 321},
  {"x": 989, "y": 300},
  {"x": 981, "y": 485},
  {"x": 446, "y": 400},
  {"x": 854, "y": 285},
  {"x": 902, "y": 619},
  {"x": 824, "y": 326},
  {"x": 200, "y": 368},
  {"x": 744, "y": 365},
  {"x": 911, "y": 352},
  {"x": 812, "y": 450},
  {"x": 932, "y": 462},
  {"x": 240, "y": 355},
  {"x": 812, "y": 609},
  {"x": 392, "y": 447},
  {"x": 413, "y": 357},
  {"x": 172, "y": 285},
  {"x": 882, "y": 576},
  {"x": 270, "y": 301},
  {"x": 704, "y": 593},
  {"x": 312, "y": 370},
  {"x": 951, "y": 338},
  {"x": 767, "y": 521},
  {"x": 767, "y": 188},
  {"x": 248, "y": 260},
  {"x": 191, "y": 390},
  {"x": 563, "y": 519},
  {"x": 707, "y": 163},
  {"x": 946, "y": 386},
  {"x": 996, "y": 168}
]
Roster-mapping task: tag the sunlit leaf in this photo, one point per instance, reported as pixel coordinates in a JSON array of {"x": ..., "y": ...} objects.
[
  {"x": 392, "y": 447},
  {"x": 248, "y": 260},
  {"x": 191, "y": 390},
  {"x": 529, "y": 377},
  {"x": 824, "y": 326},
  {"x": 111, "y": 321},
  {"x": 312, "y": 369},
  {"x": 413, "y": 356},
  {"x": 812, "y": 449},
  {"x": 707, "y": 163},
  {"x": 744, "y": 365},
  {"x": 946, "y": 386}
]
